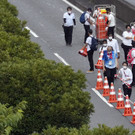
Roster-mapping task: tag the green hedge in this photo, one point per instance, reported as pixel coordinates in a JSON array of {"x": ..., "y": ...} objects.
[
  {"x": 53, "y": 92},
  {"x": 13, "y": 47},
  {"x": 84, "y": 130}
]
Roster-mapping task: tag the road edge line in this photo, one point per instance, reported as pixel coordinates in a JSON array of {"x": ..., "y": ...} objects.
[
  {"x": 33, "y": 33},
  {"x": 110, "y": 105},
  {"x": 61, "y": 59}
]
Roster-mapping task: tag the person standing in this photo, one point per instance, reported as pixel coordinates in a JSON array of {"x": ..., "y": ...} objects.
[
  {"x": 127, "y": 77},
  {"x": 104, "y": 46},
  {"x": 110, "y": 63},
  {"x": 114, "y": 43},
  {"x": 133, "y": 64},
  {"x": 133, "y": 31},
  {"x": 127, "y": 41},
  {"x": 87, "y": 23},
  {"x": 69, "y": 21},
  {"x": 90, "y": 51},
  {"x": 111, "y": 22}
]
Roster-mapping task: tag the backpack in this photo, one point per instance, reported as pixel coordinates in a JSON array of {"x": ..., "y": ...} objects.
[
  {"x": 82, "y": 18},
  {"x": 129, "y": 56},
  {"x": 94, "y": 44}
]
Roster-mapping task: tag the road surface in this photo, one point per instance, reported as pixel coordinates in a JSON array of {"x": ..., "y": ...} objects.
[{"x": 44, "y": 19}]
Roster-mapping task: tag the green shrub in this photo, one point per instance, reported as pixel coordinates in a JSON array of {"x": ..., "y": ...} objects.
[
  {"x": 12, "y": 24},
  {"x": 13, "y": 47},
  {"x": 84, "y": 130},
  {"x": 53, "y": 92},
  {"x": 9, "y": 117},
  {"x": 9, "y": 7}
]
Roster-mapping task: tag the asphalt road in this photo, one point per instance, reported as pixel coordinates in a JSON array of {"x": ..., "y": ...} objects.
[
  {"x": 132, "y": 2},
  {"x": 44, "y": 17}
]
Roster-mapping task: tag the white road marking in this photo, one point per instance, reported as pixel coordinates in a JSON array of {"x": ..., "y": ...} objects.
[
  {"x": 118, "y": 36},
  {"x": 57, "y": 55},
  {"x": 33, "y": 33},
  {"x": 110, "y": 105},
  {"x": 73, "y": 6},
  {"x": 70, "y": 4}
]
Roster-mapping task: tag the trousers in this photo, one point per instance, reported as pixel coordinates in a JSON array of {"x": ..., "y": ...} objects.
[
  {"x": 126, "y": 50},
  {"x": 133, "y": 72},
  {"x": 127, "y": 91},
  {"x": 90, "y": 59},
  {"x": 110, "y": 74},
  {"x": 68, "y": 31},
  {"x": 111, "y": 31},
  {"x": 86, "y": 28}
]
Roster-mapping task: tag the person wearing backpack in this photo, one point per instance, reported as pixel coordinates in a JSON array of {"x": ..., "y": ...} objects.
[
  {"x": 87, "y": 23},
  {"x": 69, "y": 21},
  {"x": 91, "y": 44}
]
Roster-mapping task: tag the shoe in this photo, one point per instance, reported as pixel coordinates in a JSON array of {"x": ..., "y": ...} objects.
[{"x": 90, "y": 71}]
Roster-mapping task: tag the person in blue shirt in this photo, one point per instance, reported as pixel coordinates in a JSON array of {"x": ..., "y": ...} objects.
[{"x": 110, "y": 63}]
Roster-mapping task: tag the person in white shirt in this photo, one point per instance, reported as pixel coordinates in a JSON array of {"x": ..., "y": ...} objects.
[
  {"x": 111, "y": 22},
  {"x": 104, "y": 46},
  {"x": 127, "y": 77},
  {"x": 114, "y": 43},
  {"x": 69, "y": 21},
  {"x": 133, "y": 64},
  {"x": 89, "y": 51},
  {"x": 127, "y": 40},
  {"x": 87, "y": 23},
  {"x": 133, "y": 31}
]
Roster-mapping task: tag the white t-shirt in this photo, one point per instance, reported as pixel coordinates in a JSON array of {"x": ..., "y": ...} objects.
[
  {"x": 104, "y": 48},
  {"x": 133, "y": 55},
  {"x": 69, "y": 19},
  {"x": 87, "y": 16},
  {"x": 114, "y": 44},
  {"x": 127, "y": 42},
  {"x": 133, "y": 30},
  {"x": 125, "y": 74},
  {"x": 89, "y": 41},
  {"x": 111, "y": 19},
  {"x": 95, "y": 13}
]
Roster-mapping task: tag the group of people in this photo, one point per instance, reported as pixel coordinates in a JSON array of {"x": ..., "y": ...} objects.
[{"x": 110, "y": 47}]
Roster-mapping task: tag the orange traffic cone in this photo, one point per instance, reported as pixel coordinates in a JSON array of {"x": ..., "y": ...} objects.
[
  {"x": 112, "y": 96},
  {"x": 83, "y": 52},
  {"x": 127, "y": 110},
  {"x": 99, "y": 85},
  {"x": 133, "y": 119},
  {"x": 120, "y": 103},
  {"x": 99, "y": 64},
  {"x": 106, "y": 91}
]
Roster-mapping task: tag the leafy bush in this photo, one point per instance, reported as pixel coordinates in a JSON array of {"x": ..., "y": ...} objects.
[
  {"x": 9, "y": 117},
  {"x": 12, "y": 47},
  {"x": 11, "y": 24},
  {"x": 53, "y": 92},
  {"x": 84, "y": 130},
  {"x": 9, "y": 7}
]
